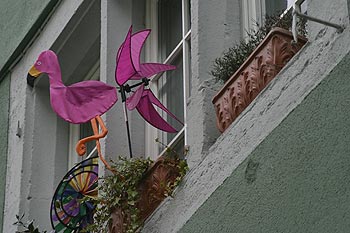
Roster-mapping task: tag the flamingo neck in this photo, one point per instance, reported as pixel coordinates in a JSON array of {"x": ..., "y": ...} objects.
[
  {"x": 54, "y": 74},
  {"x": 55, "y": 79}
]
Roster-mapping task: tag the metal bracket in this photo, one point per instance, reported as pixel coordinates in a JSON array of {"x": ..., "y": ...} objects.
[
  {"x": 19, "y": 130},
  {"x": 297, "y": 12}
]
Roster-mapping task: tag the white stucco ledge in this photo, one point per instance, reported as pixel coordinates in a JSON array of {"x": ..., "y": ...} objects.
[{"x": 299, "y": 77}]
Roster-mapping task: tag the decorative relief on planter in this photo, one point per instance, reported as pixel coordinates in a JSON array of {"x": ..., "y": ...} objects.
[
  {"x": 254, "y": 74},
  {"x": 153, "y": 190}
]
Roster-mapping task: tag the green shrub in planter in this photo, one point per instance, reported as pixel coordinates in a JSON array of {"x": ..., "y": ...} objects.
[{"x": 226, "y": 65}]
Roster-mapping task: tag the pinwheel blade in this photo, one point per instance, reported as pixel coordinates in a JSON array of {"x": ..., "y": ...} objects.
[
  {"x": 137, "y": 41},
  {"x": 125, "y": 68},
  {"x": 150, "y": 69},
  {"x": 134, "y": 99},
  {"x": 146, "y": 109}
]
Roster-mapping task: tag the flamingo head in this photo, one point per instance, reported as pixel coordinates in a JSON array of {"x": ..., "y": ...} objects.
[{"x": 44, "y": 64}]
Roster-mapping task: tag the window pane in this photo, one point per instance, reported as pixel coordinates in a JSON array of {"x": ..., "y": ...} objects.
[
  {"x": 171, "y": 93},
  {"x": 86, "y": 131},
  {"x": 290, "y": 2},
  {"x": 189, "y": 71},
  {"x": 304, "y": 7},
  {"x": 170, "y": 25},
  {"x": 188, "y": 16},
  {"x": 273, "y": 6},
  {"x": 177, "y": 149}
]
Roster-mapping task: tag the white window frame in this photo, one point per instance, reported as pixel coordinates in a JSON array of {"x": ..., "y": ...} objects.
[
  {"x": 253, "y": 12},
  {"x": 152, "y": 54},
  {"x": 74, "y": 129}
]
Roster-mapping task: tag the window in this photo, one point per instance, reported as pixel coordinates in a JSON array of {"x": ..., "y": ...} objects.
[
  {"x": 253, "y": 12},
  {"x": 170, "y": 43}
]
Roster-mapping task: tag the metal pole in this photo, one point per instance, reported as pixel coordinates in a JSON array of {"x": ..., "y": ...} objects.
[
  {"x": 127, "y": 128},
  {"x": 340, "y": 28},
  {"x": 122, "y": 92},
  {"x": 294, "y": 23}
]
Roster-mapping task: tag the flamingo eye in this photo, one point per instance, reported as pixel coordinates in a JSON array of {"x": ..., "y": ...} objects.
[{"x": 38, "y": 63}]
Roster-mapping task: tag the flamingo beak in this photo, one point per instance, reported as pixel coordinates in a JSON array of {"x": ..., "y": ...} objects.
[{"x": 33, "y": 73}]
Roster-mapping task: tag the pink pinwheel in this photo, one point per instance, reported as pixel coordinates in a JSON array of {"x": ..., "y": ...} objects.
[
  {"x": 77, "y": 103},
  {"x": 129, "y": 68}
]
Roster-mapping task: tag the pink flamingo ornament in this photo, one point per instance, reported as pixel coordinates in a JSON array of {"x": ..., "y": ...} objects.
[{"x": 78, "y": 103}]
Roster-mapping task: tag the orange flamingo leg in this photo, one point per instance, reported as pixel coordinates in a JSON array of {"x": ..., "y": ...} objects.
[{"x": 81, "y": 145}]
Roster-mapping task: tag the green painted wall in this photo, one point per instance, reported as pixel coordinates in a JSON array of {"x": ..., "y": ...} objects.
[
  {"x": 4, "y": 114},
  {"x": 19, "y": 20},
  {"x": 298, "y": 178}
]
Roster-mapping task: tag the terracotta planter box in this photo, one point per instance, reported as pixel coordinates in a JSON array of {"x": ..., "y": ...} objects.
[
  {"x": 152, "y": 191},
  {"x": 256, "y": 72}
]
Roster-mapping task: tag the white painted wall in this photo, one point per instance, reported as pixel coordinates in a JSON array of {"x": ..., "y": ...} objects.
[
  {"x": 212, "y": 33},
  {"x": 35, "y": 160}
]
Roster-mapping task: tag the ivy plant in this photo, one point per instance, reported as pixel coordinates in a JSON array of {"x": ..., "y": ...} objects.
[{"x": 119, "y": 191}]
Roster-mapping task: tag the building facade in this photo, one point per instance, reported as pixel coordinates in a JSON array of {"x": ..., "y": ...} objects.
[{"x": 280, "y": 167}]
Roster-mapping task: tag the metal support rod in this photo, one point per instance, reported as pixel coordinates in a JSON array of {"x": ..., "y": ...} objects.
[
  {"x": 297, "y": 7},
  {"x": 92, "y": 152},
  {"x": 127, "y": 129},
  {"x": 340, "y": 28},
  {"x": 123, "y": 95},
  {"x": 123, "y": 90}
]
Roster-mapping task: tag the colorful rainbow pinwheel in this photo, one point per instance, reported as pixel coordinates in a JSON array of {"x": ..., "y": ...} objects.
[
  {"x": 128, "y": 67},
  {"x": 68, "y": 212}
]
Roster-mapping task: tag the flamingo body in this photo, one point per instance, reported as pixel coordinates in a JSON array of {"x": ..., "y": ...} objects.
[{"x": 79, "y": 102}]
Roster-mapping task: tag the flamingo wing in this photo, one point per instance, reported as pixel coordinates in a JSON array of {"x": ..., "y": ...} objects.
[{"x": 80, "y": 102}]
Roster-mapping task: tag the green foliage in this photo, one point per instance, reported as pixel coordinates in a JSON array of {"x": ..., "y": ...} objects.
[
  {"x": 173, "y": 158},
  {"x": 182, "y": 167},
  {"x": 119, "y": 191},
  {"x": 27, "y": 227},
  {"x": 226, "y": 65}
]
